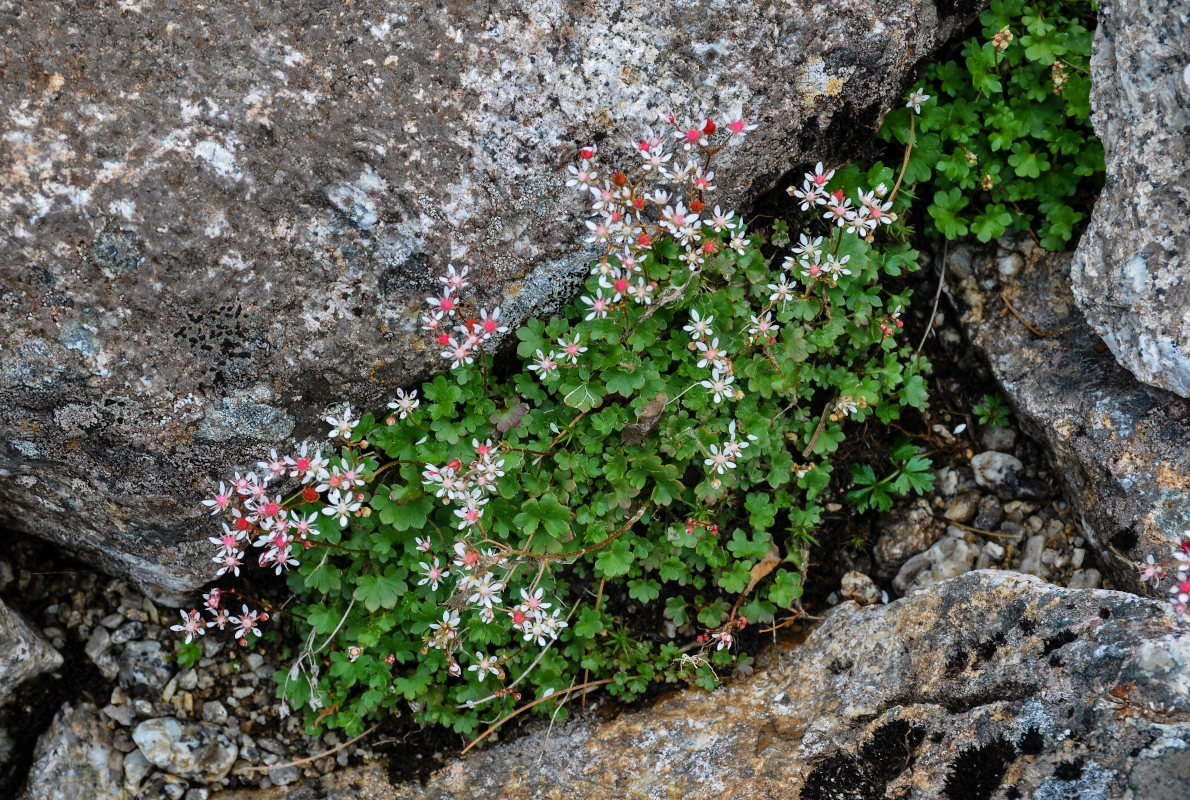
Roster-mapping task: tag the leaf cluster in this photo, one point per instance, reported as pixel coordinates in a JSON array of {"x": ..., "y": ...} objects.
[{"x": 1005, "y": 142}]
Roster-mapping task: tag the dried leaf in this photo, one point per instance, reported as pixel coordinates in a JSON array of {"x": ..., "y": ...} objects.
[
  {"x": 636, "y": 432},
  {"x": 766, "y": 565},
  {"x": 509, "y": 419}
]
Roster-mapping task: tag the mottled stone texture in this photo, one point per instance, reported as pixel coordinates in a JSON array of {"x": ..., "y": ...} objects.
[
  {"x": 1130, "y": 270},
  {"x": 76, "y": 760},
  {"x": 1122, "y": 448},
  {"x": 992, "y": 685},
  {"x": 218, "y": 219},
  {"x": 24, "y": 652}
]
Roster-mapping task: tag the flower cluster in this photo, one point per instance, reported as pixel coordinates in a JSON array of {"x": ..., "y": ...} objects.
[
  {"x": 668, "y": 200},
  {"x": 460, "y": 338},
  {"x": 1179, "y": 560}
]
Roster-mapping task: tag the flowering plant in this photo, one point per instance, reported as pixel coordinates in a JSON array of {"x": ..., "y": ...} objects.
[{"x": 616, "y": 511}]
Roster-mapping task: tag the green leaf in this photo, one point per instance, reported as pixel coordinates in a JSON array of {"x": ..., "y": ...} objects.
[
  {"x": 787, "y": 587},
  {"x": 615, "y": 559},
  {"x": 380, "y": 591},
  {"x": 583, "y": 395}
]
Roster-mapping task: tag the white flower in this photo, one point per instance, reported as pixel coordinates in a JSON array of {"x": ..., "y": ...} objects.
[
  {"x": 405, "y": 404},
  {"x": 434, "y": 573},
  {"x": 916, "y": 98},
  {"x": 342, "y": 505},
  {"x": 699, "y": 327},
  {"x": 485, "y": 665},
  {"x": 719, "y": 459},
  {"x": 341, "y": 426},
  {"x": 719, "y": 386}
]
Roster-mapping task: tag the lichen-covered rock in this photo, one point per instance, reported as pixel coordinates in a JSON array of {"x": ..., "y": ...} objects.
[
  {"x": 1121, "y": 448},
  {"x": 992, "y": 685},
  {"x": 75, "y": 759},
  {"x": 24, "y": 653},
  {"x": 219, "y": 219},
  {"x": 1131, "y": 273}
]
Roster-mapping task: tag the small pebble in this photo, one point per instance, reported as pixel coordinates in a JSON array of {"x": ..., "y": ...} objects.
[
  {"x": 996, "y": 470},
  {"x": 1031, "y": 560},
  {"x": 1085, "y": 579}
]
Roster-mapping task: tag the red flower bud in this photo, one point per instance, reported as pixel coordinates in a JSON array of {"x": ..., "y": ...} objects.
[
  {"x": 709, "y": 128},
  {"x": 443, "y": 339},
  {"x": 638, "y": 203},
  {"x": 697, "y": 206},
  {"x": 620, "y": 179},
  {"x": 454, "y": 464},
  {"x": 587, "y": 153},
  {"x": 309, "y": 494}
]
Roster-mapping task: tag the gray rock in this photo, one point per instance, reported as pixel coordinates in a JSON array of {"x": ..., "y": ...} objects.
[
  {"x": 859, "y": 588},
  {"x": 1031, "y": 562},
  {"x": 215, "y": 234},
  {"x": 122, "y": 714},
  {"x": 962, "y": 507},
  {"x": 75, "y": 759},
  {"x": 992, "y": 680},
  {"x": 24, "y": 653},
  {"x": 213, "y": 711},
  {"x": 904, "y": 532},
  {"x": 1000, "y": 437},
  {"x": 989, "y": 514},
  {"x": 1117, "y": 446},
  {"x": 947, "y": 558},
  {"x": 136, "y": 769},
  {"x": 994, "y": 470},
  {"x": 1130, "y": 273},
  {"x": 144, "y": 663},
  {"x": 283, "y": 776},
  {"x": 188, "y": 749},
  {"x": 1088, "y": 578}
]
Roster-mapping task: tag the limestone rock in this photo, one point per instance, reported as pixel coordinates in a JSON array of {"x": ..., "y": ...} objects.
[
  {"x": 989, "y": 685},
  {"x": 1120, "y": 447},
  {"x": 24, "y": 653},
  {"x": 186, "y": 748},
  {"x": 75, "y": 759},
  {"x": 1131, "y": 273},
  {"x": 946, "y": 558},
  {"x": 220, "y": 219}
]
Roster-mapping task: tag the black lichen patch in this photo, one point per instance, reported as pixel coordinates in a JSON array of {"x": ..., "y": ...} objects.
[
  {"x": 957, "y": 661},
  {"x": 1027, "y": 626},
  {"x": 977, "y": 772},
  {"x": 115, "y": 253},
  {"x": 987, "y": 648},
  {"x": 222, "y": 339},
  {"x": 1124, "y": 539},
  {"x": 1057, "y": 641},
  {"x": 1069, "y": 770},
  {"x": 889, "y": 751},
  {"x": 1031, "y": 743}
]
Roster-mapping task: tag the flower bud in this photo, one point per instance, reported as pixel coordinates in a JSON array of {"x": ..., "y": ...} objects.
[
  {"x": 620, "y": 179},
  {"x": 697, "y": 206},
  {"x": 709, "y": 128}
]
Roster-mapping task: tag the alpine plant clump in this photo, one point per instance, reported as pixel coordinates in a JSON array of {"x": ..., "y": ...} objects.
[{"x": 613, "y": 514}]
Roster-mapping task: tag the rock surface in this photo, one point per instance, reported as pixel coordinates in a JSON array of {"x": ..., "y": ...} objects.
[
  {"x": 76, "y": 760},
  {"x": 1121, "y": 448},
  {"x": 1130, "y": 271},
  {"x": 220, "y": 219},
  {"x": 993, "y": 685},
  {"x": 24, "y": 653},
  {"x": 186, "y": 748}
]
